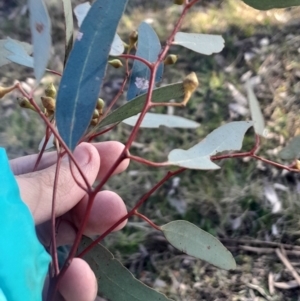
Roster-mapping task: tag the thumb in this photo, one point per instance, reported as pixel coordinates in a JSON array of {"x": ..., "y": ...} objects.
[{"x": 36, "y": 188}]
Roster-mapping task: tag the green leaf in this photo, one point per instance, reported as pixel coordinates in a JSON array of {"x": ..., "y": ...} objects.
[
  {"x": 4, "y": 52},
  {"x": 85, "y": 69},
  {"x": 136, "y": 105},
  {"x": 201, "y": 43},
  {"x": 69, "y": 26},
  {"x": 228, "y": 137},
  {"x": 292, "y": 150},
  {"x": 24, "y": 261},
  {"x": 269, "y": 4},
  {"x": 152, "y": 120},
  {"x": 256, "y": 114},
  {"x": 148, "y": 47},
  {"x": 40, "y": 27},
  {"x": 81, "y": 11},
  {"x": 193, "y": 241},
  {"x": 18, "y": 53},
  {"x": 114, "y": 280}
]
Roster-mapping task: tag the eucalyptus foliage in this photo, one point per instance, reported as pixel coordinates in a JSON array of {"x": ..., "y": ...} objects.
[{"x": 78, "y": 113}]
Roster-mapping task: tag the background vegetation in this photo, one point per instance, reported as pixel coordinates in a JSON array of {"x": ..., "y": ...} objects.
[{"x": 242, "y": 202}]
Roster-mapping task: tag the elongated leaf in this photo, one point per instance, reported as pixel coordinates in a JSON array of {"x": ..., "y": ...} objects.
[
  {"x": 8, "y": 47},
  {"x": 23, "y": 261},
  {"x": 40, "y": 27},
  {"x": 69, "y": 27},
  {"x": 148, "y": 48},
  {"x": 256, "y": 114},
  {"x": 152, "y": 120},
  {"x": 201, "y": 43},
  {"x": 136, "y": 105},
  {"x": 269, "y": 4},
  {"x": 81, "y": 11},
  {"x": 195, "y": 242},
  {"x": 292, "y": 150},
  {"x": 115, "y": 281},
  {"x": 228, "y": 137},
  {"x": 85, "y": 69},
  {"x": 18, "y": 54}
]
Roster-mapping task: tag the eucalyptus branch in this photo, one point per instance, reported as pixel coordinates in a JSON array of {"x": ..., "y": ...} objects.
[
  {"x": 133, "y": 210},
  {"x": 53, "y": 130}
]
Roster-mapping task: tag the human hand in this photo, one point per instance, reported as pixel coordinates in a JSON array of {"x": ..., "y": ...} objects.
[{"x": 79, "y": 283}]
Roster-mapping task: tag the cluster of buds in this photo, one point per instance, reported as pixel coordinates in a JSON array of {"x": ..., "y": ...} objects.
[
  {"x": 98, "y": 112},
  {"x": 49, "y": 100}
]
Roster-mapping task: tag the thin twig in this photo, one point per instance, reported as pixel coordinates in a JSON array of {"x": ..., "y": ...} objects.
[
  {"x": 286, "y": 285},
  {"x": 288, "y": 265},
  {"x": 259, "y": 242}
]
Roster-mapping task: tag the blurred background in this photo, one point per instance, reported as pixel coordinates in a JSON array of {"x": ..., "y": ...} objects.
[{"x": 251, "y": 207}]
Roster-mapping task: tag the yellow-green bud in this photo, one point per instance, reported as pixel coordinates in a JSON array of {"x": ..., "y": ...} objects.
[
  {"x": 178, "y": 2},
  {"x": 190, "y": 84},
  {"x": 48, "y": 103},
  {"x": 94, "y": 121},
  {"x": 50, "y": 91},
  {"x": 6, "y": 90},
  {"x": 116, "y": 63},
  {"x": 100, "y": 105},
  {"x": 133, "y": 37},
  {"x": 171, "y": 59},
  {"x": 24, "y": 103},
  {"x": 95, "y": 114}
]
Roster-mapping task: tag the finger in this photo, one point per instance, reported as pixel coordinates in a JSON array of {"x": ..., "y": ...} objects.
[
  {"x": 108, "y": 208},
  {"x": 26, "y": 164},
  {"x": 79, "y": 282},
  {"x": 37, "y": 188},
  {"x": 109, "y": 152}
]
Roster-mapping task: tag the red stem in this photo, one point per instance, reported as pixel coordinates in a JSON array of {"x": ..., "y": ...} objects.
[
  {"x": 145, "y": 218},
  {"x": 134, "y": 57},
  {"x": 53, "y": 228},
  {"x": 147, "y": 162},
  {"x": 37, "y": 162},
  {"x": 92, "y": 137},
  {"x": 48, "y": 123},
  {"x": 133, "y": 210}
]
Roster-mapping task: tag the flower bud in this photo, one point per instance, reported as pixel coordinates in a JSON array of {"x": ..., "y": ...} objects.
[
  {"x": 94, "y": 121},
  {"x": 6, "y": 90},
  {"x": 133, "y": 37},
  {"x": 116, "y": 63},
  {"x": 50, "y": 91},
  {"x": 24, "y": 103},
  {"x": 171, "y": 59},
  {"x": 48, "y": 103},
  {"x": 178, "y": 2},
  {"x": 190, "y": 84},
  {"x": 100, "y": 105},
  {"x": 95, "y": 114}
]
